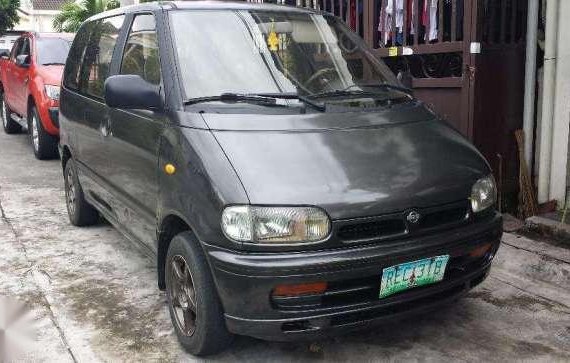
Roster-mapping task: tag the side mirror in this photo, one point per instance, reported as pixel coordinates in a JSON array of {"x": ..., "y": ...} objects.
[
  {"x": 23, "y": 60},
  {"x": 131, "y": 92},
  {"x": 4, "y": 54}
]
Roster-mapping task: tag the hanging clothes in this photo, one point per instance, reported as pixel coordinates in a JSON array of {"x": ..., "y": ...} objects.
[
  {"x": 385, "y": 23},
  {"x": 352, "y": 14},
  {"x": 410, "y": 20},
  {"x": 429, "y": 11},
  {"x": 387, "y": 14},
  {"x": 432, "y": 35}
]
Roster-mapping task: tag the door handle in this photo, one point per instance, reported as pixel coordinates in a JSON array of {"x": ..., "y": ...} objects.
[{"x": 26, "y": 80}]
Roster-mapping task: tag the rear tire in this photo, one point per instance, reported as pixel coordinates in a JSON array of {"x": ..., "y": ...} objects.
[
  {"x": 44, "y": 144},
  {"x": 202, "y": 329},
  {"x": 10, "y": 126},
  {"x": 79, "y": 211}
]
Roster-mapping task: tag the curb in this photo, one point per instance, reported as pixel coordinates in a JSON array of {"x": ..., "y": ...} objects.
[{"x": 549, "y": 227}]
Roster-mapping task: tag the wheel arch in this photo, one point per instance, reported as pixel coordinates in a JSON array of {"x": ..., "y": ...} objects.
[
  {"x": 31, "y": 102},
  {"x": 65, "y": 156},
  {"x": 170, "y": 226}
]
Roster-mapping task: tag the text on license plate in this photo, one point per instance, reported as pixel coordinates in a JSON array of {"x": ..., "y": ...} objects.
[{"x": 411, "y": 274}]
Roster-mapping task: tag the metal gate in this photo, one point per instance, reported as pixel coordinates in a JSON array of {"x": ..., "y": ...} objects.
[{"x": 465, "y": 58}]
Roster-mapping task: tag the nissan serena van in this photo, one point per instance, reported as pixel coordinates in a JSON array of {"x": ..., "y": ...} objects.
[{"x": 286, "y": 184}]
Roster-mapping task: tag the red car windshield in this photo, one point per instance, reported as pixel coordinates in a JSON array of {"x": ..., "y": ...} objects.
[{"x": 52, "y": 51}]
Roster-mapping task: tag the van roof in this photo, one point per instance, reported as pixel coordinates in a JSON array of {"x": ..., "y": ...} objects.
[{"x": 200, "y": 5}]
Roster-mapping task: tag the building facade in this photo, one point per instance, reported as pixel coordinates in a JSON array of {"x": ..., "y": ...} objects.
[{"x": 38, "y": 15}]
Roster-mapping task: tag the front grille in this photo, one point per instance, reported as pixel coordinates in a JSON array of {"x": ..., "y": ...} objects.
[
  {"x": 443, "y": 217},
  {"x": 395, "y": 225},
  {"x": 369, "y": 230},
  {"x": 365, "y": 289}
]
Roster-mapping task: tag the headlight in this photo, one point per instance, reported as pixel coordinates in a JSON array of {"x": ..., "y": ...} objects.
[
  {"x": 275, "y": 225},
  {"x": 52, "y": 92},
  {"x": 483, "y": 194}
]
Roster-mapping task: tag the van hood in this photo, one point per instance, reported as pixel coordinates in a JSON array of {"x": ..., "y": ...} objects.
[
  {"x": 50, "y": 74},
  {"x": 350, "y": 164}
]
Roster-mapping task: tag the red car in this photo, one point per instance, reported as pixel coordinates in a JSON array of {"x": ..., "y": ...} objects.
[{"x": 30, "y": 78}]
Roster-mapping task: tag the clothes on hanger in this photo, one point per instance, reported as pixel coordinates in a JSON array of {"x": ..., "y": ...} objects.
[
  {"x": 352, "y": 14},
  {"x": 429, "y": 11},
  {"x": 411, "y": 14},
  {"x": 387, "y": 16}
]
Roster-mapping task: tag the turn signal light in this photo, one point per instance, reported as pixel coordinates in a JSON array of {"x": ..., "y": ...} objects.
[
  {"x": 480, "y": 251},
  {"x": 312, "y": 288}
]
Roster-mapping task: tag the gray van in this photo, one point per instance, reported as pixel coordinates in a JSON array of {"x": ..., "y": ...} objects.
[{"x": 283, "y": 180}]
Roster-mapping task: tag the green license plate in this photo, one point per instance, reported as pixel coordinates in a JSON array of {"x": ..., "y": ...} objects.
[{"x": 411, "y": 274}]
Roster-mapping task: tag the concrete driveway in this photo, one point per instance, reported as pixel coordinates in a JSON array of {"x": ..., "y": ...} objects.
[{"x": 91, "y": 296}]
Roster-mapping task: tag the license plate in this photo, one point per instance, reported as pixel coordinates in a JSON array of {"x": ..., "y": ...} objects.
[{"x": 411, "y": 274}]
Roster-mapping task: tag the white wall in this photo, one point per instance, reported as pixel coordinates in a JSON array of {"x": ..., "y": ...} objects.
[
  {"x": 553, "y": 126},
  {"x": 561, "y": 120},
  {"x": 37, "y": 20}
]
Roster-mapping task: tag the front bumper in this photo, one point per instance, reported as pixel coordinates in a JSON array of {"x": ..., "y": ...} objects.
[
  {"x": 48, "y": 111},
  {"x": 245, "y": 282},
  {"x": 54, "y": 116}
]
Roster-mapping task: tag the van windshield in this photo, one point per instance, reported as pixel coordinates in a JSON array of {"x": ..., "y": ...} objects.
[{"x": 272, "y": 52}]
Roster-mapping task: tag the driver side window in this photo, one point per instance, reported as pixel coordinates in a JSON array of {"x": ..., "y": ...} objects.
[
  {"x": 141, "y": 51},
  {"x": 25, "y": 50},
  {"x": 16, "y": 49},
  {"x": 21, "y": 47}
]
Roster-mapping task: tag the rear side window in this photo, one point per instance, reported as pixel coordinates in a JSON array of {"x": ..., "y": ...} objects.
[
  {"x": 95, "y": 67},
  {"x": 76, "y": 55},
  {"x": 141, "y": 51}
]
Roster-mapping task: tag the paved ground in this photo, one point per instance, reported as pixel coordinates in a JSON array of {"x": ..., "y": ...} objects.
[{"x": 94, "y": 298}]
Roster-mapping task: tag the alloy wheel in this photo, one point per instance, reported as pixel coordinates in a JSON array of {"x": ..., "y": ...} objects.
[
  {"x": 182, "y": 295},
  {"x": 70, "y": 193},
  {"x": 35, "y": 133},
  {"x": 3, "y": 110}
]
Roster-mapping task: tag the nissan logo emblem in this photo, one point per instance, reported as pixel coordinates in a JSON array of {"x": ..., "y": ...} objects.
[{"x": 413, "y": 217}]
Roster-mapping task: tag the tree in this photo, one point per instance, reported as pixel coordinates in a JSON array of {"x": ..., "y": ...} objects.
[
  {"x": 74, "y": 13},
  {"x": 8, "y": 14}
]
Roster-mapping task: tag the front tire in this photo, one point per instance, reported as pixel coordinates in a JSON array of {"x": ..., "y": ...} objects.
[
  {"x": 10, "y": 126},
  {"x": 44, "y": 144},
  {"x": 195, "y": 308},
  {"x": 79, "y": 211}
]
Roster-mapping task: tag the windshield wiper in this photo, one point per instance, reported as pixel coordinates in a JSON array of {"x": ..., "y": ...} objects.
[
  {"x": 53, "y": 64},
  {"x": 265, "y": 99},
  {"x": 359, "y": 92},
  {"x": 340, "y": 92},
  {"x": 256, "y": 99},
  {"x": 294, "y": 96}
]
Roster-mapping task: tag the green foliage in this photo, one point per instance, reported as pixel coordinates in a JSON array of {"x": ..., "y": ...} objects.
[
  {"x": 8, "y": 14},
  {"x": 74, "y": 13}
]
